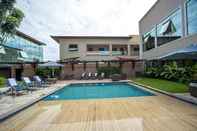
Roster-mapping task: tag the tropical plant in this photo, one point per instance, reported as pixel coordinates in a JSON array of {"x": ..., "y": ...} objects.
[
  {"x": 10, "y": 19},
  {"x": 171, "y": 71},
  {"x": 153, "y": 72},
  {"x": 2, "y": 81},
  {"x": 194, "y": 72},
  {"x": 42, "y": 72},
  {"x": 109, "y": 70}
]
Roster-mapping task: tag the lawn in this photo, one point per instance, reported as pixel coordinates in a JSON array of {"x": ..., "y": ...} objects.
[{"x": 169, "y": 86}]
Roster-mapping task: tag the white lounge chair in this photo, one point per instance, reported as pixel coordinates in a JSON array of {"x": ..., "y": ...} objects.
[
  {"x": 83, "y": 75},
  {"x": 15, "y": 88},
  {"x": 95, "y": 75},
  {"x": 89, "y": 75},
  {"x": 29, "y": 84},
  {"x": 39, "y": 82},
  {"x": 102, "y": 76}
]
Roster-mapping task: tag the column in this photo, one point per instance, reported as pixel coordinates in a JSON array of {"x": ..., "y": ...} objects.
[
  {"x": 110, "y": 49},
  {"x": 129, "y": 50}
]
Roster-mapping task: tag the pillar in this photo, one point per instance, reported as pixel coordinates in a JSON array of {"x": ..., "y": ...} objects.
[
  {"x": 129, "y": 50},
  {"x": 110, "y": 49}
]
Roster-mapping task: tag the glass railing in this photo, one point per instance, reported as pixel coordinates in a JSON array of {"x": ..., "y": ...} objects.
[
  {"x": 101, "y": 53},
  {"x": 119, "y": 53},
  {"x": 74, "y": 54}
]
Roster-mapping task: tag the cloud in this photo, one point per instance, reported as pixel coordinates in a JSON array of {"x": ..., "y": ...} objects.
[{"x": 80, "y": 17}]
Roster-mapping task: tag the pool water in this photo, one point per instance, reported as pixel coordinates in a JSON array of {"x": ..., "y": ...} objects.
[{"x": 97, "y": 91}]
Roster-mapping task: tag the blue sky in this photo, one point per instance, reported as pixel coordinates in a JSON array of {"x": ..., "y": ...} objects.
[{"x": 80, "y": 17}]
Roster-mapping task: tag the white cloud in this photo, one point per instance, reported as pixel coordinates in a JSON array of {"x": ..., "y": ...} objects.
[{"x": 80, "y": 17}]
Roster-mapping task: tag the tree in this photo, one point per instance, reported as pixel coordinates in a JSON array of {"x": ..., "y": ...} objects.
[{"x": 10, "y": 19}]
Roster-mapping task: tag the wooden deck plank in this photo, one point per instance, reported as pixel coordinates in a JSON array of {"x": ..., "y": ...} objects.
[{"x": 151, "y": 113}]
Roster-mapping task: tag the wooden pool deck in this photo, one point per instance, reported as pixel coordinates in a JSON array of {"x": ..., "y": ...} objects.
[{"x": 151, "y": 113}]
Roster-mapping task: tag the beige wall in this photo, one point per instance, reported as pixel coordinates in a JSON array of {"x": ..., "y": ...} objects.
[
  {"x": 127, "y": 68},
  {"x": 28, "y": 71},
  {"x": 83, "y": 42}
]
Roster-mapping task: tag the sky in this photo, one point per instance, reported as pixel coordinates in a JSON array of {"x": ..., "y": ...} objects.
[{"x": 44, "y": 18}]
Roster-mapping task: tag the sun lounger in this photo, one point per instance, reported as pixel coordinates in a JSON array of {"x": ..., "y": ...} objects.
[
  {"x": 89, "y": 75},
  {"x": 95, "y": 76},
  {"x": 102, "y": 76},
  {"x": 39, "y": 82},
  {"x": 83, "y": 75},
  {"x": 29, "y": 84},
  {"x": 15, "y": 87}
]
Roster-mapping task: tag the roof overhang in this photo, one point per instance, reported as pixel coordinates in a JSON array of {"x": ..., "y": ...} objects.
[
  {"x": 57, "y": 38},
  {"x": 189, "y": 52},
  {"x": 25, "y": 36}
]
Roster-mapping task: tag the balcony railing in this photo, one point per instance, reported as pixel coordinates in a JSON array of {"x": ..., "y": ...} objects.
[
  {"x": 98, "y": 53},
  {"x": 119, "y": 53},
  {"x": 73, "y": 54},
  {"x": 135, "y": 53}
]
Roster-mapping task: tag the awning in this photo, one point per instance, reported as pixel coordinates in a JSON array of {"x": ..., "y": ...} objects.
[
  {"x": 189, "y": 52},
  {"x": 2, "y": 50}
]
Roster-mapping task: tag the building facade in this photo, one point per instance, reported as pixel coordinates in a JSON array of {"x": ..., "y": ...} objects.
[
  {"x": 169, "y": 25},
  {"x": 98, "y": 48},
  {"x": 17, "y": 52}
]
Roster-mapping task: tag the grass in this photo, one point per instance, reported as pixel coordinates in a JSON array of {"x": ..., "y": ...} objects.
[{"x": 168, "y": 86}]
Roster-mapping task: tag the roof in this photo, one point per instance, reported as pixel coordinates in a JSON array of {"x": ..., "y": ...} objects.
[
  {"x": 56, "y": 38},
  {"x": 25, "y": 36}
]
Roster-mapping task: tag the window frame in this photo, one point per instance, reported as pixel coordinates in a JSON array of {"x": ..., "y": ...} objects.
[
  {"x": 186, "y": 19},
  {"x": 73, "y": 49}
]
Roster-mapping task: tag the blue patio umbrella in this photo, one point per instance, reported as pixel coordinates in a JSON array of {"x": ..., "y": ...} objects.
[
  {"x": 52, "y": 65},
  {"x": 187, "y": 53}
]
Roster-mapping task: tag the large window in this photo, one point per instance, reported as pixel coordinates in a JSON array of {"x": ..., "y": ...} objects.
[
  {"x": 149, "y": 40},
  {"x": 33, "y": 50},
  {"x": 170, "y": 29},
  {"x": 191, "y": 6}
]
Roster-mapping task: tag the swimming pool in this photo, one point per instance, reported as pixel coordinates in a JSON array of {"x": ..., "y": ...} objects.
[{"x": 97, "y": 91}]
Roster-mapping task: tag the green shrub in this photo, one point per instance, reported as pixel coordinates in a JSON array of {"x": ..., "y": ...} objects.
[
  {"x": 42, "y": 72},
  {"x": 171, "y": 71},
  {"x": 109, "y": 71},
  {"x": 46, "y": 72},
  {"x": 2, "y": 81}
]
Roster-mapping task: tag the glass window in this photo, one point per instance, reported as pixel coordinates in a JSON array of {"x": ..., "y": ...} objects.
[
  {"x": 170, "y": 29},
  {"x": 149, "y": 40},
  {"x": 73, "y": 47},
  {"x": 2, "y": 50},
  {"x": 33, "y": 50},
  {"x": 191, "y": 6}
]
